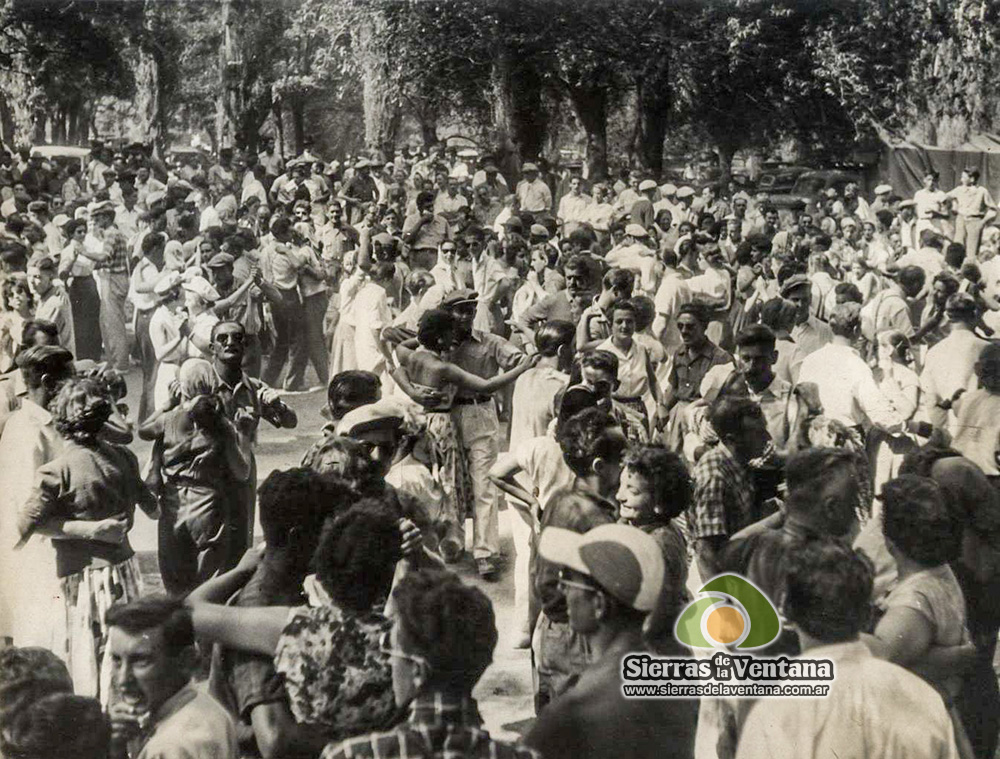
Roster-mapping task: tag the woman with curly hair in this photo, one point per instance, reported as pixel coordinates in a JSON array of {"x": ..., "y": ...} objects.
[
  {"x": 198, "y": 443},
  {"x": 18, "y": 306},
  {"x": 428, "y": 368},
  {"x": 337, "y": 679},
  {"x": 85, "y": 499}
]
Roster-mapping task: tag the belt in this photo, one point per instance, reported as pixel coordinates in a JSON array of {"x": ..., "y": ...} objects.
[{"x": 472, "y": 401}]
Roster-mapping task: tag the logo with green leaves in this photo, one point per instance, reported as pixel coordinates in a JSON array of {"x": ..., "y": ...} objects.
[{"x": 731, "y": 611}]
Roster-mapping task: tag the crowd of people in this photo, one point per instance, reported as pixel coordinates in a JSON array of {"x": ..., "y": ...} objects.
[{"x": 660, "y": 383}]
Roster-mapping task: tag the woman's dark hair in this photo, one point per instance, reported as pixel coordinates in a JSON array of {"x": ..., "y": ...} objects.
[
  {"x": 15, "y": 282},
  {"x": 350, "y": 389},
  {"x": 28, "y": 674},
  {"x": 81, "y": 408},
  {"x": 917, "y": 520},
  {"x": 70, "y": 227},
  {"x": 299, "y": 498},
  {"x": 667, "y": 475},
  {"x": 583, "y": 438},
  {"x": 828, "y": 590},
  {"x": 433, "y": 326},
  {"x": 57, "y": 726},
  {"x": 357, "y": 554},
  {"x": 449, "y": 624}
]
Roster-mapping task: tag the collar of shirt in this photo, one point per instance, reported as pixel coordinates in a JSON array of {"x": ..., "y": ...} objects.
[
  {"x": 174, "y": 703},
  {"x": 35, "y": 412},
  {"x": 689, "y": 355},
  {"x": 435, "y": 709}
]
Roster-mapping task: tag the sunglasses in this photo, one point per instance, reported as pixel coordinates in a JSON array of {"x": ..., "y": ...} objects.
[
  {"x": 565, "y": 583},
  {"x": 232, "y": 337}
]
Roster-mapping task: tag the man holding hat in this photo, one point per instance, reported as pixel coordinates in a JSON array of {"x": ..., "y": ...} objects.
[
  {"x": 52, "y": 304},
  {"x": 484, "y": 355},
  {"x": 532, "y": 193},
  {"x": 612, "y": 576}
]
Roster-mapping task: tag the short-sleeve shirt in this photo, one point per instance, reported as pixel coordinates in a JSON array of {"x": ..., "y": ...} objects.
[
  {"x": 485, "y": 355},
  {"x": 533, "y": 402},
  {"x": 336, "y": 676},
  {"x": 690, "y": 365},
  {"x": 88, "y": 483},
  {"x": 542, "y": 461}
]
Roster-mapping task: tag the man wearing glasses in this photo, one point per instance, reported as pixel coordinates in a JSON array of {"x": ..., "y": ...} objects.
[
  {"x": 441, "y": 642},
  {"x": 612, "y": 577}
]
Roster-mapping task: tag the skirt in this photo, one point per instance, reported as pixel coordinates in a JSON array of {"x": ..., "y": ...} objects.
[
  {"x": 448, "y": 465},
  {"x": 342, "y": 356},
  {"x": 88, "y": 595},
  {"x": 86, "y": 310}
]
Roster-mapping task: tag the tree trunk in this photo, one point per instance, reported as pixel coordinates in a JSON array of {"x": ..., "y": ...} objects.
[
  {"x": 516, "y": 95},
  {"x": 652, "y": 114},
  {"x": 726, "y": 151},
  {"x": 380, "y": 91},
  {"x": 297, "y": 108},
  {"x": 591, "y": 106}
]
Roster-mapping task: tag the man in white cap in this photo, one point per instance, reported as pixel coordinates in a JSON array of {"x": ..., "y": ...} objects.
[
  {"x": 612, "y": 577},
  {"x": 532, "y": 193},
  {"x": 635, "y": 255},
  {"x": 574, "y": 205},
  {"x": 881, "y": 202},
  {"x": 359, "y": 191},
  {"x": 684, "y": 211},
  {"x": 641, "y": 211},
  {"x": 668, "y": 199}
]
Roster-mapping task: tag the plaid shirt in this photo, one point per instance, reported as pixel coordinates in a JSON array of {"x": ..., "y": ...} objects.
[
  {"x": 439, "y": 727},
  {"x": 724, "y": 495},
  {"x": 117, "y": 246}
]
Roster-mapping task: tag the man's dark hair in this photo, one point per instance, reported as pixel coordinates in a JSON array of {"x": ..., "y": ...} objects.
[
  {"x": 36, "y": 362},
  {"x": 949, "y": 280},
  {"x": 728, "y": 414},
  {"x": 350, "y": 389},
  {"x": 667, "y": 475},
  {"x": 57, "y": 726},
  {"x": 357, "y": 554},
  {"x": 828, "y": 588},
  {"x": 954, "y": 255},
  {"x": 620, "y": 279},
  {"x": 605, "y": 361},
  {"x": 152, "y": 241},
  {"x": 425, "y": 198},
  {"x": 973, "y": 174},
  {"x": 911, "y": 278},
  {"x": 152, "y": 612},
  {"x": 34, "y": 326},
  {"x": 755, "y": 334},
  {"x": 584, "y": 438},
  {"x": 225, "y": 323},
  {"x": 585, "y": 265},
  {"x": 28, "y": 674},
  {"x": 697, "y": 310},
  {"x": 298, "y": 498},
  {"x": 848, "y": 292},
  {"x": 917, "y": 520},
  {"x": 644, "y": 310},
  {"x": 449, "y": 624},
  {"x": 807, "y": 469},
  {"x": 553, "y": 335}
]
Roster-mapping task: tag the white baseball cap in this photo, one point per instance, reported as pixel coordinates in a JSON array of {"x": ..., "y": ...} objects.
[{"x": 623, "y": 560}]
